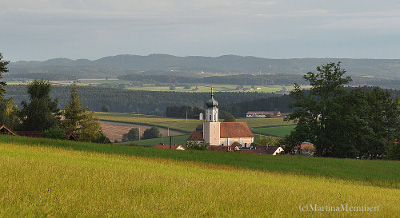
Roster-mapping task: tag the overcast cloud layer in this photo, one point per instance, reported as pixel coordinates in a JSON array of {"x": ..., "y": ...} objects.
[{"x": 44, "y": 29}]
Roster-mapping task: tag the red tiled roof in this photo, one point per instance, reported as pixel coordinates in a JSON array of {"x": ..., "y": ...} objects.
[
  {"x": 196, "y": 136},
  {"x": 235, "y": 130},
  {"x": 4, "y": 129},
  {"x": 35, "y": 134}
]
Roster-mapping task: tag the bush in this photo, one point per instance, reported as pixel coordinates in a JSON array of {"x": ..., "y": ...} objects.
[
  {"x": 197, "y": 145},
  {"x": 55, "y": 134},
  {"x": 153, "y": 132},
  {"x": 132, "y": 135}
]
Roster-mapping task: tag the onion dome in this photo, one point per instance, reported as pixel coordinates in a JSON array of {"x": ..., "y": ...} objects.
[{"x": 212, "y": 102}]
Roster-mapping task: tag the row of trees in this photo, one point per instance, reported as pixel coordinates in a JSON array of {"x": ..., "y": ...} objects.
[
  {"x": 134, "y": 134},
  {"x": 41, "y": 113},
  {"x": 343, "y": 122}
]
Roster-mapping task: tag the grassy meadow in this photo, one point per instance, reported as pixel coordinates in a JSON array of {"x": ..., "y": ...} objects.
[
  {"x": 178, "y": 140},
  {"x": 182, "y": 125},
  {"x": 53, "y": 178},
  {"x": 274, "y": 131}
]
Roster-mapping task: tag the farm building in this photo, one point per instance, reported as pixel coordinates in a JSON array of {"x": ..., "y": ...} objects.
[
  {"x": 221, "y": 134},
  {"x": 263, "y": 114}
]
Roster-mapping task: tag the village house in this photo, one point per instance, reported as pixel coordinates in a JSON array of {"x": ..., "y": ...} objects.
[
  {"x": 4, "y": 130},
  {"x": 221, "y": 134}
]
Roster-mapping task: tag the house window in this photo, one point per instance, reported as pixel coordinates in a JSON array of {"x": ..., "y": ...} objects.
[{"x": 210, "y": 116}]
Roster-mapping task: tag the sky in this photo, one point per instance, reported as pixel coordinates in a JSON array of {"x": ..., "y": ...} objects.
[{"x": 91, "y": 29}]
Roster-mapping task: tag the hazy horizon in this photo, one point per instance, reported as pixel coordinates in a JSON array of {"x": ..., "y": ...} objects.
[{"x": 87, "y": 29}]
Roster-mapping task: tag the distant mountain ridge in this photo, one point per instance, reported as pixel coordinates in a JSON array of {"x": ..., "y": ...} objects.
[{"x": 226, "y": 64}]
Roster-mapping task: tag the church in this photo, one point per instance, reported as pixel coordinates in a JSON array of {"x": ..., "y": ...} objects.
[{"x": 221, "y": 133}]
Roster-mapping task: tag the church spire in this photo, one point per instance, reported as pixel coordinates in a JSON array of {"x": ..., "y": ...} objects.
[{"x": 212, "y": 102}]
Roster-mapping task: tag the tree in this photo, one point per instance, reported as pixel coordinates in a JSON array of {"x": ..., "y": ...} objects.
[
  {"x": 9, "y": 114},
  {"x": 153, "y": 132},
  {"x": 228, "y": 117},
  {"x": 82, "y": 121},
  {"x": 74, "y": 112},
  {"x": 132, "y": 135},
  {"x": 341, "y": 122},
  {"x": 105, "y": 108},
  {"x": 41, "y": 112},
  {"x": 56, "y": 133},
  {"x": 3, "y": 69},
  {"x": 267, "y": 141}
]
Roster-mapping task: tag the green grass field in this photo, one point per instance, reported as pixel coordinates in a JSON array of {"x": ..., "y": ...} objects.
[
  {"x": 178, "y": 140},
  {"x": 53, "y": 178},
  {"x": 274, "y": 131},
  {"x": 182, "y": 125}
]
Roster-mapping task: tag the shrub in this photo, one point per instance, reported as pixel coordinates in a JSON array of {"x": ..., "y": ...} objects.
[
  {"x": 197, "y": 145},
  {"x": 55, "y": 133}
]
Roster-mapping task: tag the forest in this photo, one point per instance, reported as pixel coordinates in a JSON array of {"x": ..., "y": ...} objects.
[{"x": 130, "y": 101}]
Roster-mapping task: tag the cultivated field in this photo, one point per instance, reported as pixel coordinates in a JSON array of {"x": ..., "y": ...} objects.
[
  {"x": 182, "y": 125},
  {"x": 39, "y": 180},
  {"x": 115, "y": 131}
]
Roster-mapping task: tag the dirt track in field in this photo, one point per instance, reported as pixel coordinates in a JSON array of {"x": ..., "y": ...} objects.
[{"x": 114, "y": 131}]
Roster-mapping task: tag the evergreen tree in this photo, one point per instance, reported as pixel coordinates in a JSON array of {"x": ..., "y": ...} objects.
[
  {"x": 3, "y": 69},
  {"x": 74, "y": 111},
  {"x": 8, "y": 111},
  {"x": 41, "y": 113},
  {"x": 82, "y": 121}
]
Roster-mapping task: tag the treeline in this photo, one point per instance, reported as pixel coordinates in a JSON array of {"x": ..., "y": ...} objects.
[
  {"x": 128, "y": 101},
  {"x": 279, "y": 103},
  {"x": 45, "y": 76},
  {"x": 184, "y": 112},
  {"x": 248, "y": 79},
  {"x": 240, "y": 79}
]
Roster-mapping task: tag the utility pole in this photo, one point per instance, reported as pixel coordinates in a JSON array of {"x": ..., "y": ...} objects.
[{"x": 170, "y": 142}]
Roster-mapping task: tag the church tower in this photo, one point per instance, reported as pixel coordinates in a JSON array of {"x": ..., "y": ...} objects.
[{"x": 211, "y": 125}]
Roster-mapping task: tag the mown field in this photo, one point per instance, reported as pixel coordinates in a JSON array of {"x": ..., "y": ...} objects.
[
  {"x": 53, "y": 178},
  {"x": 185, "y": 126},
  {"x": 274, "y": 131}
]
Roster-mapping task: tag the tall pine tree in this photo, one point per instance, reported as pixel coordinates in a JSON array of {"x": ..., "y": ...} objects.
[{"x": 82, "y": 121}]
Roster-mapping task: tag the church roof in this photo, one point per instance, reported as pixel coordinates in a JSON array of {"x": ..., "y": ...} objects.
[
  {"x": 235, "y": 130},
  {"x": 196, "y": 136}
]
